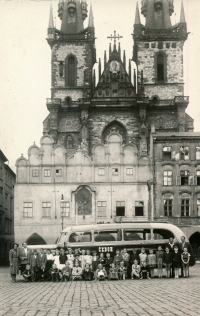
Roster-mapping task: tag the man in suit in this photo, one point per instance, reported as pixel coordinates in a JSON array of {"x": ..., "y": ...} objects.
[
  {"x": 41, "y": 261},
  {"x": 24, "y": 255}
]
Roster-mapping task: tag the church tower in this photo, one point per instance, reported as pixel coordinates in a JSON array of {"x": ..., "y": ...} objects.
[
  {"x": 73, "y": 57},
  {"x": 158, "y": 53}
]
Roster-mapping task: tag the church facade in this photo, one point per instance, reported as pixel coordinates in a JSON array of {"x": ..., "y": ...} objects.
[{"x": 122, "y": 148}]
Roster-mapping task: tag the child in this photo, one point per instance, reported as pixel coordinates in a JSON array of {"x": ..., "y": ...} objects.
[
  {"x": 95, "y": 261},
  {"x": 135, "y": 273},
  {"x": 176, "y": 259},
  {"x": 87, "y": 273},
  {"x": 57, "y": 259},
  {"x": 108, "y": 260},
  {"x": 102, "y": 259},
  {"x": 82, "y": 259},
  {"x": 167, "y": 261},
  {"x": 27, "y": 274},
  {"x": 54, "y": 272},
  {"x": 126, "y": 258},
  {"x": 159, "y": 260},
  {"x": 101, "y": 273},
  {"x": 143, "y": 256},
  {"x": 122, "y": 271},
  {"x": 185, "y": 257},
  {"x": 76, "y": 254},
  {"x": 88, "y": 258},
  {"x": 118, "y": 258},
  {"x": 70, "y": 258},
  {"x": 66, "y": 272},
  {"x": 62, "y": 259},
  {"x": 113, "y": 275},
  {"x": 77, "y": 272},
  {"x": 144, "y": 271},
  {"x": 151, "y": 262}
]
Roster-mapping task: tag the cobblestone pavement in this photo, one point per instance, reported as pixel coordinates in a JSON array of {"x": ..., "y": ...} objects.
[{"x": 130, "y": 297}]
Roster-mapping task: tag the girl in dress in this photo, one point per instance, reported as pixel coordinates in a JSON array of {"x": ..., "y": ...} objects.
[
  {"x": 70, "y": 258},
  {"x": 14, "y": 262},
  {"x": 122, "y": 271},
  {"x": 77, "y": 272},
  {"x": 159, "y": 260},
  {"x": 88, "y": 258},
  {"x": 82, "y": 259},
  {"x": 126, "y": 258},
  {"x": 95, "y": 261},
  {"x": 101, "y": 274},
  {"x": 117, "y": 258},
  {"x": 57, "y": 259},
  {"x": 176, "y": 259},
  {"x": 185, "y": 257},
  {"x": 135, "y": 274},
  {"x": 151, "y": 262},
  {"x": 143, "y": 256}
]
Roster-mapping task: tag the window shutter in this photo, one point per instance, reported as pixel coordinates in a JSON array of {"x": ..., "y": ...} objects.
[{"x": 191, "y": 180}]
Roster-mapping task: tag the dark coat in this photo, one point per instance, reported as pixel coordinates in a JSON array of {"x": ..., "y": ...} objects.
[
  {"x": 167, "y": 258},
  {"x": 42, "y": 260}
]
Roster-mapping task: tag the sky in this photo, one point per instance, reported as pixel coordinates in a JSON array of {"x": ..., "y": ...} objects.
[{"x": 25, "y": 62}]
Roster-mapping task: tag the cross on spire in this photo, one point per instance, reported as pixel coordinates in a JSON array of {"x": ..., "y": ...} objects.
[{"x": 115, "y": 37}]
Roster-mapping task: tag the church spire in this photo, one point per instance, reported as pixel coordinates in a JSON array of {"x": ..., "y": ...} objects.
[
  {"x": 157, "y": 13},
  {"x": 182, "y": 18},
  {"x": 137, "y": 15},
  {"x": 51, "y": 24},
  {"x": 91, "y": 18}
]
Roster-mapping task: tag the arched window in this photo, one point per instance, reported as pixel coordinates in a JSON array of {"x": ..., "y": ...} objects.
[
  {"x": 71, "y": 71},
  {"x": 69, "y": 142},
  {"x": 160, "y": 67}
]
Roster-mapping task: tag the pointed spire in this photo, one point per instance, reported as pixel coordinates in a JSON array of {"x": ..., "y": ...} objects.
[
  {"x": 91, "y": 18},
  {"x": 110, "y": 49},
  {"x": 105, "y": 59},
  {"x": 124, "y": 59},
  {"x": 99, "y": 68},
  {"x": 119, "y": 50},
  {"x": 182, "y": 18},
  {"x": 137, "y": 14},
  {"x": 51, "y": 24}
]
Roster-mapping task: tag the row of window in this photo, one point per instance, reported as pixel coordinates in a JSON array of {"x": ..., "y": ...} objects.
[
  {"x": 183, "y": 179},
  {"x": 101, "y": 172},
  {"x": 183, "y": 154},
  {"x": 65, "y": 209},
  {"x": 8, "y": 178},
  {"x": 185, "y": 207},
  {"x": 160, "y": 45}
]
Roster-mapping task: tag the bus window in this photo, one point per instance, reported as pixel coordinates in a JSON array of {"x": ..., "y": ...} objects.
[
  {"x": 108, "y": 235},
  {"x": 80, "y": 237},
  {"x": 162, "y": 234},
  {"x": 135, "y": 234}
]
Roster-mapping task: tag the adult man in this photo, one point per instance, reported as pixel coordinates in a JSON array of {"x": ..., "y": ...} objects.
[{"x": 24, "y": 255}]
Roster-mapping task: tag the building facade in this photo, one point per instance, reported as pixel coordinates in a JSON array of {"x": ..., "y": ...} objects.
[
  {"x": 102, "y": 153},
  {"x": 7, "y": 181}
]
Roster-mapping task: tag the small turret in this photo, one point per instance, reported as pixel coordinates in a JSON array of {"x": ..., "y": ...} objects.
[
  {"x": 137, "y": 15},
  {"x": 71, "y": 6},
  {"x": 84, "y": 9},
  {"x": 182, "y": 17},
  {"x": 91, "y": 18},
  {"x": 60, "y": 8}
]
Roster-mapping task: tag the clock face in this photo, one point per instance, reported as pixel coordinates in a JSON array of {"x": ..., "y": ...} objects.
[{"x": 114, "y": 66}]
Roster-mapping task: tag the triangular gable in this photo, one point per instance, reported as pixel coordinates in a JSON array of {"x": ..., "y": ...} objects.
[{"x": 114, "y": 81}]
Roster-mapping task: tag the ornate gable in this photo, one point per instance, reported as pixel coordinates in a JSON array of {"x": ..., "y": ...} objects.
[{"x": 114, "y": 81}]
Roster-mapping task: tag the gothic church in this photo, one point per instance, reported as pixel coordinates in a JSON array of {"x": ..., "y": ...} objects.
[{"x": 120, "y": 149}]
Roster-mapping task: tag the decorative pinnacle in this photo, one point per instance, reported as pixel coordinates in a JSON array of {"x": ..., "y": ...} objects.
[{"x": 114, "y": 37}]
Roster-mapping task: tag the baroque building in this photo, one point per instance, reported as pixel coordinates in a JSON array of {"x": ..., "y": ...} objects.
[
  {"x": 7, "y": 181},
  {"x": 120, "y": 148}
]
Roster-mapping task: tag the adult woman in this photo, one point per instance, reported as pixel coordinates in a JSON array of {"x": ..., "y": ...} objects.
[{"x": 14, "y": 262}]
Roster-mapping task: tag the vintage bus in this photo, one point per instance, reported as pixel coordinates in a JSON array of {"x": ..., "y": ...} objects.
[{"x": 109, "y": 237}]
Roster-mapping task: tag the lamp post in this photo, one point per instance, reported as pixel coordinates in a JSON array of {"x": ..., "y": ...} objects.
[{"x": 62, "y": 199}]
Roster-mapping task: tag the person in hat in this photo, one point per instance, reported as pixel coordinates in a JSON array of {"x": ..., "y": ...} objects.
[{"x": 159, "y": 261}]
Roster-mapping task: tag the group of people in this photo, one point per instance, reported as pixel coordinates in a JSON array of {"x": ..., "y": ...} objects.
[{"x": 84, "y": 265}]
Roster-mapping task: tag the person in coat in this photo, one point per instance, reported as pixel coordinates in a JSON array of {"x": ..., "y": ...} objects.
[
  {"x": 42, "y": 261},
  {"x": 24, "y": 255},
  {"x": 14, "y": 262}
]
